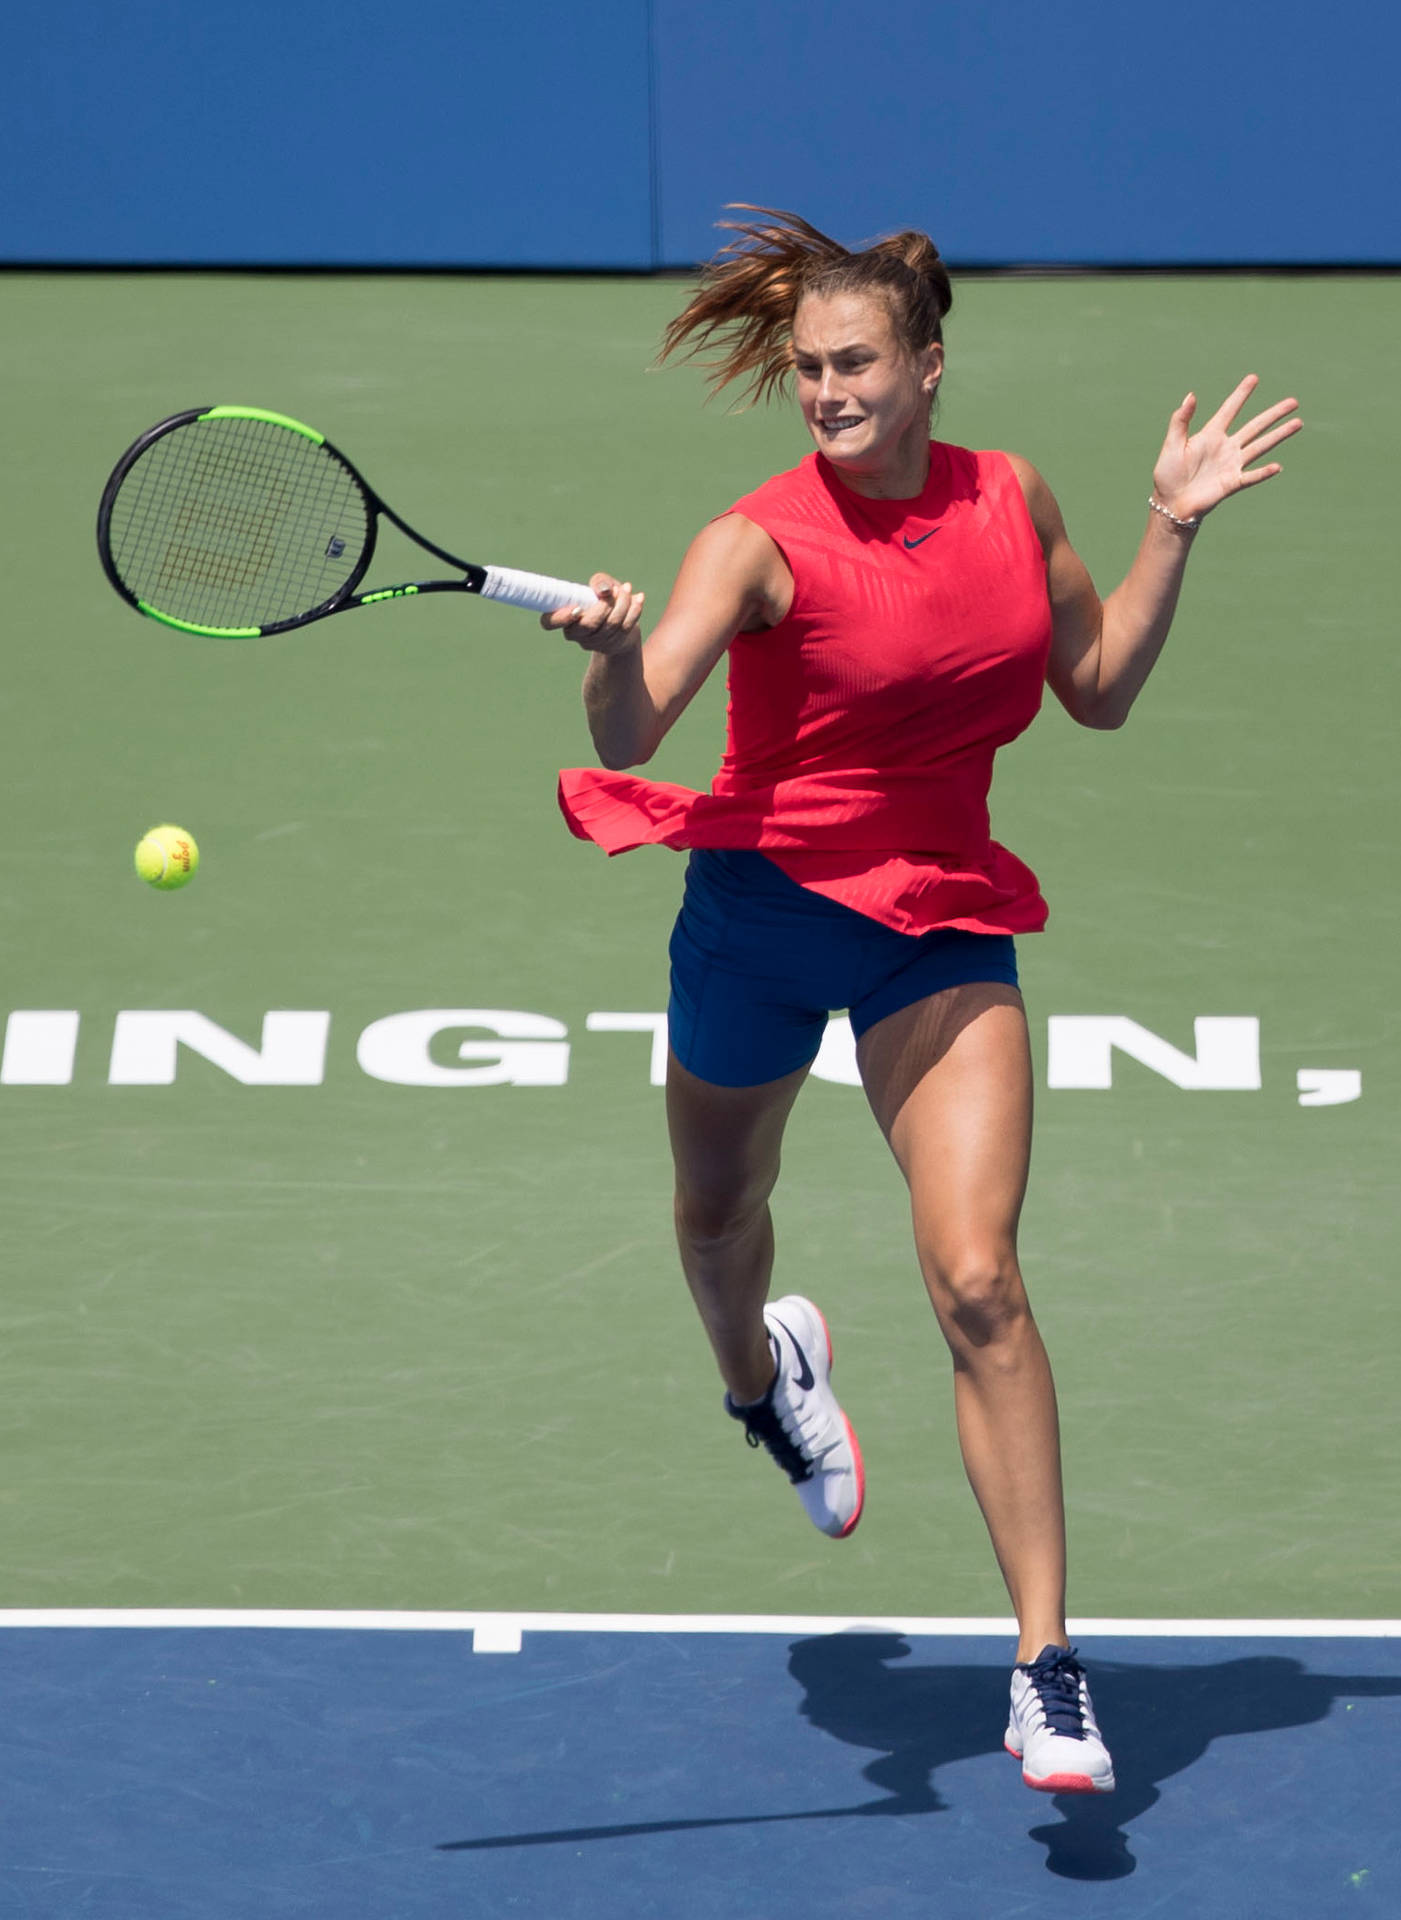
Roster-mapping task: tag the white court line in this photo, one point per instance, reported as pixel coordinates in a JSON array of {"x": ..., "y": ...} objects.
[{"x": 501, "y": 1632}]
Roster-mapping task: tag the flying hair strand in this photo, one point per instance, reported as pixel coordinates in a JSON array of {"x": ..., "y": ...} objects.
[{"x": 739, "y": 322}]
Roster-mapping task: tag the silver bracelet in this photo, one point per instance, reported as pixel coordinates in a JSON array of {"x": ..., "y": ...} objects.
[{"x": 1187, "y": 526}]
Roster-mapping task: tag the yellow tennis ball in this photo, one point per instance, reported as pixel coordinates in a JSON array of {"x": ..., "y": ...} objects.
[{"x": 167, "y": 857}]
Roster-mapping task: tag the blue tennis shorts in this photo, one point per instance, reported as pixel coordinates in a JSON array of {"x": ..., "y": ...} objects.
[{"x": 758, "y": 962}]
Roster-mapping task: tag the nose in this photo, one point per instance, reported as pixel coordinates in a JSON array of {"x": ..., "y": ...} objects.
[{"x": 828, "y": 387}]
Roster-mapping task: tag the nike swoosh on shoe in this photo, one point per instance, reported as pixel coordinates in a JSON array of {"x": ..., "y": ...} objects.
[{"x": 803, "y": 1378}]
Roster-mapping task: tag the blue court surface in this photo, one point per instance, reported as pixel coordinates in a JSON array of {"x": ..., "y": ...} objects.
[{"x": 161, "y": 1771}]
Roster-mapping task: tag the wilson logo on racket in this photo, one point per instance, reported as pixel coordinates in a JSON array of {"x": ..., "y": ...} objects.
[{"x": 234, "y": 522}]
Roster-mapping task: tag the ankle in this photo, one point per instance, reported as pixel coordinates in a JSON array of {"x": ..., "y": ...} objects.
[
  {"x": 1030, "y": 1645},
  {"x": 754, "y": 1385}
]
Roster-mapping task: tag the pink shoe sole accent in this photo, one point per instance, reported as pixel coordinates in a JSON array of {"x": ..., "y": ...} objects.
[
  {"x": 1059, "y": 1782},
  {"x": 850, "y": 1526},
  {"x": 860, "y": 1464}
]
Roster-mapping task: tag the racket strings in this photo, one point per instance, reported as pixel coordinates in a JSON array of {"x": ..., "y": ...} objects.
[{"x": 237, "y": 523}]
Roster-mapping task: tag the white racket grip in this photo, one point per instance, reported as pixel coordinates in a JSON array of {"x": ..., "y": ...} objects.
[{"x": 535, "y": 590}]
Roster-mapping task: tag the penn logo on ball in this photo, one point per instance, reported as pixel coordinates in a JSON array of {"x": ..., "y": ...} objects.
[{"x": 167, "y": 857}]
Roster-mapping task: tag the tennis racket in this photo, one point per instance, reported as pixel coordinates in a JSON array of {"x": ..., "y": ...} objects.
[{"x": 235, "y": 522}]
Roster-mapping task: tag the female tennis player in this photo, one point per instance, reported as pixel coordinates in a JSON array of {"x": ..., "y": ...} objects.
[{"x": 892, "y": 609}]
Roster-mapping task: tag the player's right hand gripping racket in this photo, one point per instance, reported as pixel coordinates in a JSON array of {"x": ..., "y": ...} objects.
[{"x": 235, "y": 522}]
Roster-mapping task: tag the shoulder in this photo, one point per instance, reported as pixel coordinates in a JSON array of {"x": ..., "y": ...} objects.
[
  {"x": 733, "y": 539},
  {"x": 783, "y": 490},
  {"x": 734, "y": 562},
  {"x": 1041, "y": 503},
  {"x": 1028, "y": 478},
  {"x": 994, "y": 471}
]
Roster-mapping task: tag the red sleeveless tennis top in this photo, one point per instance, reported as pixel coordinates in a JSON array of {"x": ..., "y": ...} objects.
[{"x": 862, "y": 727}]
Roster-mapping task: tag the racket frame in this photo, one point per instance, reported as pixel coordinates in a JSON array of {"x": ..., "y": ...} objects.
[{"x": 345, "y": 597}]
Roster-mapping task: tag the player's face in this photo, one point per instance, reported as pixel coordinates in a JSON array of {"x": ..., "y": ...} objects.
[{"x": 864, "y": 396}]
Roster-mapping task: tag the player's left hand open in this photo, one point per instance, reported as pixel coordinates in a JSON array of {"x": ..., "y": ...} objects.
[
  {"x": 609, "y": 626},
  {"x": 1196, "y": 472}
]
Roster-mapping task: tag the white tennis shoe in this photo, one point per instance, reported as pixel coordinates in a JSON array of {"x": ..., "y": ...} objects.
[
  {"x": 1052, "y": 1728},
  {"x": 800, "y": 1423}
]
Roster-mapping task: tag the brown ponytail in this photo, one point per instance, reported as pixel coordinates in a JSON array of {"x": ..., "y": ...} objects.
[{"x": 750, "y": 291}]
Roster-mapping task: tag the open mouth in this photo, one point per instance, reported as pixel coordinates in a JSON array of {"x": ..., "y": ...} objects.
[{"x": 843, "y": 424}]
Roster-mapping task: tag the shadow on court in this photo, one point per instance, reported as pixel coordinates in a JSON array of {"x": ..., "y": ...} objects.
[{"x": 1158, "y": 1719}]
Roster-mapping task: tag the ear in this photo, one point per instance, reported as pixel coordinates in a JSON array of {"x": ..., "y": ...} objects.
[{"x": 933, "y": 371}]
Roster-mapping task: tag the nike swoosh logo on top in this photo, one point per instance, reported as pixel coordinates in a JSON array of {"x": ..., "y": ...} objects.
[
  {"x": 803, "y": 1377},
  {"x": 922, "y": 538}
]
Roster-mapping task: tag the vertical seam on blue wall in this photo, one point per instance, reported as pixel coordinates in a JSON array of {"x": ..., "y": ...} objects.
[{"x": 654, "y": 185}]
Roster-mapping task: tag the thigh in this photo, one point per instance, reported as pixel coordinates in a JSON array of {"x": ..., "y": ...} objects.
[
  {"x": 949, "y": 1081},
  {"x": 726, "y": 1141},
  {"x": 744, "y": 1010}
]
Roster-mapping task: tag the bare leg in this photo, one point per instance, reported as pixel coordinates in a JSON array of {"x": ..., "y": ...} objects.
[
  {"x": 725, "y": 1142},
  {"x": 949, "y": 1081}
]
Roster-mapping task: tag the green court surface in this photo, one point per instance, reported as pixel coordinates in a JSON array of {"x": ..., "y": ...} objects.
[{"x": 372, "y": 1345}]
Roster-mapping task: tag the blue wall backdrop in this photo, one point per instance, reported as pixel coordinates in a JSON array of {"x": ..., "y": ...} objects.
[{"x": 611, "y": 135}]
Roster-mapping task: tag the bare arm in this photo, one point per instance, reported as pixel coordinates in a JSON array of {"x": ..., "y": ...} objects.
[
  {"x": 1103, "y": 652},
  {"x": 732, "y": 578}
]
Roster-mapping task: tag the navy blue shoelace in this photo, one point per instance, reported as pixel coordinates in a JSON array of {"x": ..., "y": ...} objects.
[
  {"x": 762, "y": 1428},
  {"x": 1056, "y": 1674}
]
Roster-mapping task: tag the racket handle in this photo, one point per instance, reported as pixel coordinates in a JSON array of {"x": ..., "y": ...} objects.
[{"x": 534, "y": 590}]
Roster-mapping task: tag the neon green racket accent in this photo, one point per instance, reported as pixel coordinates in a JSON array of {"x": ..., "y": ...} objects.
[
  {"x": 188, "y": 626},
  {"x": 387, "y": 593},
  {"x": 261, "y": 413}
]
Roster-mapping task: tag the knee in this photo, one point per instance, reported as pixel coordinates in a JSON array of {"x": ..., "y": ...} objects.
[
  {"x": 713, "y": 1215},
  {"x": 977, "y": 1293}
]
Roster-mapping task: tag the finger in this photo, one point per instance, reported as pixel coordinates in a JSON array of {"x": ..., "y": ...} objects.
[
  {"x": 600, "y": 614},
  {"x": 1180, "y": 422},
  {"x": 635, "y": 612},
  {"x": 1255, "y": 448},
  {"x": 561, "y": 617},
  {"x": 1234, "y": 401},
  {"x": 1279, "y": 411},
  {"x": 1257, "y": 474},
  {"x": 623, "y": 604},
  {"x": 603, "y": 584}
]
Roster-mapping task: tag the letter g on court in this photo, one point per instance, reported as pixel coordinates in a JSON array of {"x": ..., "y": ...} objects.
[{"x": 526, "y": 1049}]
